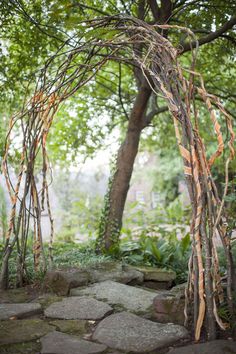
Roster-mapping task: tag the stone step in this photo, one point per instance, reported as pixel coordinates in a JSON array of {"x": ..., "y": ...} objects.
[
  {"x": 61, "y": 343},
  {"x": 136, "y": 300},
  {"x": 78, "y": 308},
  {"x": 157, "y": 274},
  {"x": 21, "y": 310},
  {"x": 214, "y": 347},
  {"x": 130, "y": 333},
  {"x": 61, "y": 281}
]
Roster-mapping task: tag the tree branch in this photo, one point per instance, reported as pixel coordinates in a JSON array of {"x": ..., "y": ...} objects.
[
  {"x": 93, "y": 8},
  {"x": 149, "y": 117},
  {"x": 120, "y": 94},
  {"x": 227, "y": 36},
  {"x": 141, "y": 10},
  {"x": 210, "y": 37},
  {"x": 161, "y": 14},
  {"x": 154, "y": 9}
]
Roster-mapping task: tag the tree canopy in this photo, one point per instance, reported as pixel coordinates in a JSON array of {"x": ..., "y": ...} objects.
[{"x": 40, "y": 27}]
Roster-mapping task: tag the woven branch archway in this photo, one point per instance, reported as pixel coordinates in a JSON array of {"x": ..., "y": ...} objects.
[{"x": 117, "y": 38}]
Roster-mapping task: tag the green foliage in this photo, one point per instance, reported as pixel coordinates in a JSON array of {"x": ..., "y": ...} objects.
[
  {"x": 224, "y": 313},
  {"x": 80, "y": 211},
  {"x": 165, "y": 251},
  {"x": 159, "y": 239},
  {"x": 222, "y": 258},
  {"x": 3, "y": 132},
  {"x": 175, "y": 211},
  {"x": 65, "y": 255},
  {"x": 230, "y": 202},
  {"x": 3, "y": 215},
  {"x": 140, "y": 221},
  {"x": 40, "y": 27},
  {"x": 73, "y": 254}
]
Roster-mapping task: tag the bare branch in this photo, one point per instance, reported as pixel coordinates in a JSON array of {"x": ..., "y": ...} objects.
[{"x": 120, "y": 94}]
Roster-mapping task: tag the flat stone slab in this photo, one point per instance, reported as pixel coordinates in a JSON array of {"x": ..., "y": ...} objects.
[
  {"x": 130, "y": 333},
  {"x": 61, "y": 343},
  {"x": 78, "y": 308},
  {"x": 157, "y": 274},
  {"x": 19, "y": 310},
  {"x": 17, "y": 331},
  {"x": 114, "y": 271},
  {"x": 215, "y": 347},
  {"x": 61, "y": 281},
  {"x": 135, "y": 300}
]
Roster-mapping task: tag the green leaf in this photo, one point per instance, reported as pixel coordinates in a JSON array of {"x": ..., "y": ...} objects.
[
  {"x": 185, "y": 242},
  {"x": 156, "y": 252}
]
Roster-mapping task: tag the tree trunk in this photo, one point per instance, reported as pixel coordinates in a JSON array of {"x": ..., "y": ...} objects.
[
  {"x": 112, "y": 221},
  {"x": 4, "y": 269}
]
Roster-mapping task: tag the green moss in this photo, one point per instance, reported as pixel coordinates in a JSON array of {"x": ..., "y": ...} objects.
[
  {"x": 21, "y": 348},
  {"x": 48, "y": 299},
  {"x": 14, "y": 295},
  {"x": 76, "y": 327},
  {"x": 18, "y": 331}
]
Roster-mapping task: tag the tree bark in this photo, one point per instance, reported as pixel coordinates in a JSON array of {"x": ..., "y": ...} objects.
[{"x": 124, "y": 168}]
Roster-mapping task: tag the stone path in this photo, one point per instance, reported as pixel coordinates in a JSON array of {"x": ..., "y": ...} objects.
[
  {"x": 18, "y": 310},
  {"x": 61, "y": 281},
  {"x": 61, "y": 343},
  {"x": 115, "y": 271},
  {"x": 78, "y": 308},
  {"x": 156, "y": 274},
  {"x": 17, "y": 331},
  {"x": 130, "y": 333},
  {"x": 126, "y": 297},
  {"x": 106, "y": 317},
  {"x": 214, "y": 347},
  {"x": 76, "y": 327}
]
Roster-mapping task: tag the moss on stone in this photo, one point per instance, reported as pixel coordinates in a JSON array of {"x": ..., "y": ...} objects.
[
  {"x": 47, "y": 299},
  {"x": 17, "y": 331},
  {"x": 21, "y": 348},
  {"x": 15, "y": 295},
  {"x": 76, "y": 327}
]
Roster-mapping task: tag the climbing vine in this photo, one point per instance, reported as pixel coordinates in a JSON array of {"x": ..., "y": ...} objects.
[
  {"x": 78, "y": 61},
  {"x": 104, "y": 221}
]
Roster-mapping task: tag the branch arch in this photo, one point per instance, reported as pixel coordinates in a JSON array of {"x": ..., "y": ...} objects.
[{"x": 115, "y": 38}]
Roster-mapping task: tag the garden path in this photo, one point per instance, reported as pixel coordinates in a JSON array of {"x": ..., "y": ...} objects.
[{"x": 103, "y": 317}]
